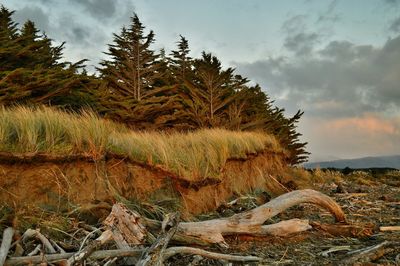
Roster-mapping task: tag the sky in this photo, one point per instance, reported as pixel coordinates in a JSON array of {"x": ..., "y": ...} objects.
[{"x": 337, "y": 60}]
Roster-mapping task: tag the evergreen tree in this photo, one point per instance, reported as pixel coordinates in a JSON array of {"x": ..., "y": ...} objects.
[
  {"x": 181, "y": 62},
  {"x": 134, "y": 67},
  {"x": 133, "y": 90},
  {"x": 30, "y": 71},
  {"x": 8, "y": 44},
  {"x": 209, "y": 92}
]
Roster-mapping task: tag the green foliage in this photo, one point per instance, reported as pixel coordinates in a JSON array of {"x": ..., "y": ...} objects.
[
  {"x": 31, "y": 71},
  {"x": 129, "y": 93}
]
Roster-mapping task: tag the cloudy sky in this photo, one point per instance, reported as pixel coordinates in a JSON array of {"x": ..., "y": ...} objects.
[{"x": 339, "y": 60}]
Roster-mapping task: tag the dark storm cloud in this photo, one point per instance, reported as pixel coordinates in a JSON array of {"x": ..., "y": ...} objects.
[
  {"x": 99, "y": 9},
  {"x": 395, "y": 26},
  {"x": 338, "y": 80},
  {"x": 35, "y": 14}
]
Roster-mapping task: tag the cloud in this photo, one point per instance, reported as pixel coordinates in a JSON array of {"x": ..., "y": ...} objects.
[
  {"x": 301, "y": 43},
  {"x": 392, "y": 2},
  {"x": 35, "y": 14},
  {"x": 298, "y": 38},
  {"x": 362, "y": 78},
  {"x": 329, "y": 14},
  {"x": 395, "y": 26},
  {"x": 99, "y": 9},
  {"x": 351, "y": 137}
]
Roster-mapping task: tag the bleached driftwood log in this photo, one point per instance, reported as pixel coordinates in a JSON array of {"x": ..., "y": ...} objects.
[
  {"x": 123, "y": 226},
  {"x": 251, "y": 222}
]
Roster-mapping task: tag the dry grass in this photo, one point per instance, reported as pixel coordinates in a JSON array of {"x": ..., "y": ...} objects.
[
  {"x": 311, "y": 179},
  {"x": 192, "y": 155}
]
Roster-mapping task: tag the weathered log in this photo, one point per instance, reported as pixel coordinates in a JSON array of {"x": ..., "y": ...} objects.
[
  {"x": 169, "y": 252},
  {"x": 123, "y": 226},
  {"x": 133, "y": 252},
  {"x": 6, "y": 244},
  {"x": 101, "y": 254},
  {"x": 250, "y": 222},
  {"x": 153, "y": 256},
  {"x": 368, "y": 254},
  {"x": 284, "y": 228},
  {"x": 81, "y": 255},
  {"x": 30, "y": 233},
  {"x": 389, "y": 228},
  {"x": 345, "y": 230},
  {"x": 126, "y": 224}
]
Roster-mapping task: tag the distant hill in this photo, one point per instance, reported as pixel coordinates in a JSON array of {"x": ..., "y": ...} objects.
[{"x": 359, "y": 163}]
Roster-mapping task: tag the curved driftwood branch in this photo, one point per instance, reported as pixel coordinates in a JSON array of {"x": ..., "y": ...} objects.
[
  {"x": 169, "y": 252},
  {"x": 250, "y": 222}
]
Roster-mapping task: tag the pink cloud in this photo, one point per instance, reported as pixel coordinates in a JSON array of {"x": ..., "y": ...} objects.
[
  {"x": 350, "y": 137},
  {"x": 368, "y": 123}
]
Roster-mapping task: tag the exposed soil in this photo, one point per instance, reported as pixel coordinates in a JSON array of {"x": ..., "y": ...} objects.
[{"x": 60, "y": 184}]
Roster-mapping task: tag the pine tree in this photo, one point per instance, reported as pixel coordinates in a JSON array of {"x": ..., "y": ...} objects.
[
  {"x": 134, "y": 67},
  {"x": 8, "y": 44},
  {"x": 30, "y": 71},
  {"x": 133, "y": 90},
  {"x": 181, "y": 62},
  {"x": 210, "y": 90}
]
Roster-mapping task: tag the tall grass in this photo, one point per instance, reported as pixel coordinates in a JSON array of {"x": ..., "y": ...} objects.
[{"x": 192, "y": 155}]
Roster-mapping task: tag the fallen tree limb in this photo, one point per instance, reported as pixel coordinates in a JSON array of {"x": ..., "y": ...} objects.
[
  {"x": 345, "y": 230},
  {"x": 153, "y": 256},
  {"x": 101, "y": 254},
  {"x": 368, "y": 254},
  {"x": 250, "y": 222},
  {"x": 81, "y": 255},
  {"x": 96, "y": 255},
  {"x": 285, "y": 228},
  {"x": 6, "y": 244},
  {"x": 389, "y": 228},
  {"x": 169, "y": 252},
  {"x": 30, "y": 233}
]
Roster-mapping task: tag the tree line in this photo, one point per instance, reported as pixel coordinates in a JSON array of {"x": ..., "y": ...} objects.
[{"x": 138, "y": 86}]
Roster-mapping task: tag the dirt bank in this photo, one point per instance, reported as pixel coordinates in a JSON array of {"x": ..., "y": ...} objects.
[{"x": 60, "y": 183}]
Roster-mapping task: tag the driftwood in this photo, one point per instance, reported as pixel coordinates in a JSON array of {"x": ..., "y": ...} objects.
[
  {"x": 345, "y": 230},
  {"x": 153, "y": 256},
  {"x": 169, "y": 252},
  {"x": 30, "y": 233},
  {"x": 6, "y": 244},
  {"x": 133, "y": 252},
  {"x": 368, "y": 254},
  {"x": 81, "y": 255},
  {"x": 101, "y": 254},
  {"x": 122, "y": 226},
  {"x": 127, "y": 228},
  {"x": 251, "y": 222},
  {"x": 389, "y": 228}
]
